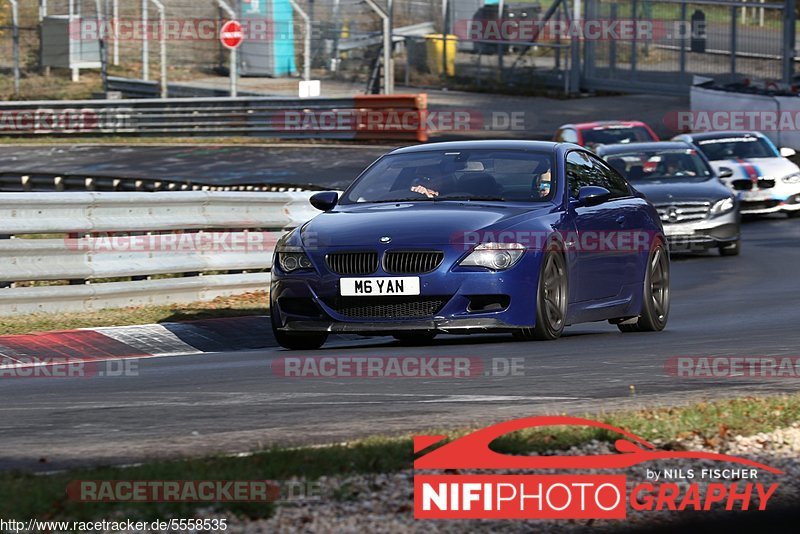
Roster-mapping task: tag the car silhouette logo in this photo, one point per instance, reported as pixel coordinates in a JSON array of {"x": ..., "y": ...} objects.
[
  {"x": 386, "y": 240},
  {"x": 472, "y": 451}
]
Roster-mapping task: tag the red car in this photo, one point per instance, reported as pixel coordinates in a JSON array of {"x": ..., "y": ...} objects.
[{"x": 592, "y": 134}]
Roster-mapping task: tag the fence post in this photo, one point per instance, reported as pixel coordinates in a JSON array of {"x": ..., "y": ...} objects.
[
  {"x": 162, "y": 43},
  {"x": 115, "y": 19},
  {"x": 575, "y": 51},
  {"x": 306, "y": 40},
  {"x": 42, "y": 15},
  {"x": 445, "y": 33},
  {"x": 733, "y": 41},
  {"x": 234, "y": 60},
  {"x": 683, "y": 38},
  {"x": 501, "y": 6},
  {"x": 103, "y": 45},
  {"x": 634, "y": 52},
  {"x": 145, "y": 41},
  {"x": 15, "y": 38},
  {"x": 789, "y": 19},
  {"x": 388, "y": 80}
]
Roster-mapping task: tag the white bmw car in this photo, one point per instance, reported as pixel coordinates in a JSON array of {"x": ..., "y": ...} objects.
[{"x": 762, "y": 177}]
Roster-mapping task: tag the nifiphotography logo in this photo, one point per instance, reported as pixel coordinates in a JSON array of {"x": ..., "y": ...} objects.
[{"x": 573, "y": 495}]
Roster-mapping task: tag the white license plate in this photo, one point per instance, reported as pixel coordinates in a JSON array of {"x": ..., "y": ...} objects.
[
  {"x": 755, "y": 196},
  {"x": 379, "y": 287},
  {"x": 672, "y": 230}
]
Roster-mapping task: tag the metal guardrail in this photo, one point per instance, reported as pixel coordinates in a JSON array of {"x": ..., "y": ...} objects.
[
  {"x": 366, "y": 117},
  {"x": 135, "y": 88},
  {"x": 28, "y": 182},
  {"x": 65, "y": 252}
]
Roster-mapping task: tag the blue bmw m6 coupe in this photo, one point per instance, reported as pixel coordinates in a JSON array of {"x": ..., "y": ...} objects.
[{"x": 473, "y": 237}]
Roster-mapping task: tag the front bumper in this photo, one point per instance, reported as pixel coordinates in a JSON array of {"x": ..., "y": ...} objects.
[
  {"x": 449, "y": 301},
  {"x": 769, "y": 203},
  {"x": 438, "y": 324},
  {"x": 703, "y": 235}
]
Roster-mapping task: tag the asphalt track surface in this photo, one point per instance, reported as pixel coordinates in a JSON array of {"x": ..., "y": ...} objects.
[{"x": 233, "y": 402}]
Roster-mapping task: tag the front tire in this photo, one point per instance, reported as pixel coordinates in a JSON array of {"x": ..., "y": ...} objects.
[
  {"x": 551, "y": 300},
  {"x": 304, "y": 341},
  {"x": 656, "y": 301},
  {"x": 734, "y": 249}
]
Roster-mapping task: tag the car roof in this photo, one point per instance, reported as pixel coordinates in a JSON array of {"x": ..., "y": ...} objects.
[
  {"x": 480, "y": 145},
  {"x": 602, "y": 124},
  {"x": 605, "y": 150},
  {"x": 699, "y": 136}
]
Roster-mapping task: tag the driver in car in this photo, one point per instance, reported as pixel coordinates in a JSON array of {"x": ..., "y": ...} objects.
[
  {"x": 432, "y": 186},
  {"x": 673, "y": 165}
]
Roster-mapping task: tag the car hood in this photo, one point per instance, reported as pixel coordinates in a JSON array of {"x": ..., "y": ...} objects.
[
  {"x": 747, "y": 169},
  {"x": 682, "y": 191},
  {"x": 413, "y": 223}
]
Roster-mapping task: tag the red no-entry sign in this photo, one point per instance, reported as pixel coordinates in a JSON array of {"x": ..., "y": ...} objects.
[{"x": 231, "y": 34}]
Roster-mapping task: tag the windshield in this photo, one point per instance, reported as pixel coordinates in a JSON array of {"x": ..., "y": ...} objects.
[
  {"x": 656, "y": 165},
  {"x": 504, "y": 175},
  {"x": 743, "y": 147},
  {"x": 616, "y": 135}
]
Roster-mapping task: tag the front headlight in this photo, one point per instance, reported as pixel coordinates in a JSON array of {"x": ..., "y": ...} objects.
[
  {"x": 792, "y": 178},
  {"x": 495, "y": 256},
  {"x": 723, "y": 206},
  {"x": 293, "y": 259}
]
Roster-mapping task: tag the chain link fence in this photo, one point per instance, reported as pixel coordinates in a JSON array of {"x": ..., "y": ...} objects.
[{"x": 519, "y": 46}]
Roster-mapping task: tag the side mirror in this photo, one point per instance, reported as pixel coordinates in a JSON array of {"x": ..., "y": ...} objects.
[
  {"x": 725, "y": 172},
  {"x": 591, "y": 195},
  {"x": 325, "y": 201},
  {"x": 787, "y": 152}
]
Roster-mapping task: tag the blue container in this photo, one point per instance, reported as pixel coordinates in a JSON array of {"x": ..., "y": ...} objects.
[{"x": 268, "y": 50}]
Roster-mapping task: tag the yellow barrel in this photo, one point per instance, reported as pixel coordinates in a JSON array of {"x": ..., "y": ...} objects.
[{"x": 435, "y": 46}]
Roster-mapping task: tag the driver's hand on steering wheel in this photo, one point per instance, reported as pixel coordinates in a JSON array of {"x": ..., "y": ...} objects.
[{"x": 422, "y": 190}]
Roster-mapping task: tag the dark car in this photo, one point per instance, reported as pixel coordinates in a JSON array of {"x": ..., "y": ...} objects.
[
  {"x": 472, "y": 237},
  {"x": 698, "y": 211}
]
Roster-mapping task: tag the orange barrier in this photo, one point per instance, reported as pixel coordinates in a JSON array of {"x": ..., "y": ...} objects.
[{"x": 392, "y": 117}]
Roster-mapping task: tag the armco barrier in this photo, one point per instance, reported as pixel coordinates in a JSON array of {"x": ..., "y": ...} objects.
[
  {"x": 368, "y": 117},
  {"x": 28, "y": 182},
  {"x": 89, "y": 245}
]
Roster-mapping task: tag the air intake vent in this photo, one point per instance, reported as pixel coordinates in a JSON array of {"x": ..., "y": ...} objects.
[
  {"x": 412, "y": 262},
  {"x": 388, "y": 307},
  {"x": 353, "y": 263}
]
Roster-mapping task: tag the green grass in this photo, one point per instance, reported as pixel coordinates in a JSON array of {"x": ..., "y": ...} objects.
[
  {"x": 43, "y": 496},
  {"x": 236, "y": 306}
]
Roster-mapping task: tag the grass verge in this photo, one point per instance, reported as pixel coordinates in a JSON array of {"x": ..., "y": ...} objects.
[
  {"x": 43, "y": 496},
  {"x": 235, "y": 306}
]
